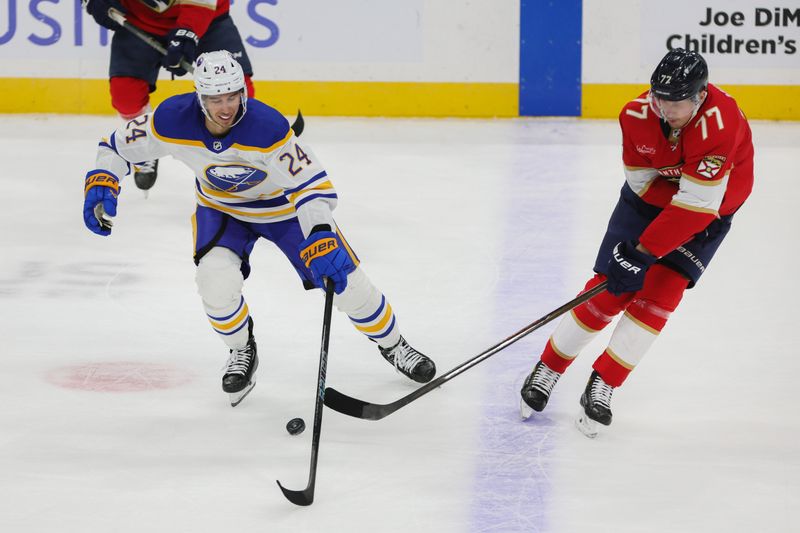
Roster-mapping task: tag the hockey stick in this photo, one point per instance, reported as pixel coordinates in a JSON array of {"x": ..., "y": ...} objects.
[
  {"x": 306, "y": 496},
  {"x": 117, "y": 16},
  {"x": 350, "y": 406}
]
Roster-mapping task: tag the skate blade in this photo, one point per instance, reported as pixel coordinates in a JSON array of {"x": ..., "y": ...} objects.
[
  {"x": 525, "y": 410},
  {"x": 237, "y": 397},
  {"x": 587, "y": 426},
  {"x": 146, "y": 194}
]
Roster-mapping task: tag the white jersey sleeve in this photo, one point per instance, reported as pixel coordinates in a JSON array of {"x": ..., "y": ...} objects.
[
  {"x": 298, "y": 171},
  {"x": 132, "y": 143}
]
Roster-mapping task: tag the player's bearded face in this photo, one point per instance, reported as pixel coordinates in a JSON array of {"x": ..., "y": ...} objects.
[
  {"x": 223, "y": 108},
  {"x": 676, "y": 113}
]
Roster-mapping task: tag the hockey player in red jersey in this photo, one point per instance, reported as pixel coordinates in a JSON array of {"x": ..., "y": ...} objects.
[
  {"x": 185, "y": 29},
  {"x": 688, "y": 158}
]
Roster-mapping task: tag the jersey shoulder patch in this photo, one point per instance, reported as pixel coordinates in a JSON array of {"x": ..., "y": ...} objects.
[
  {"x": 177, "y": 117},
  {"x": 262, "y": 127}
]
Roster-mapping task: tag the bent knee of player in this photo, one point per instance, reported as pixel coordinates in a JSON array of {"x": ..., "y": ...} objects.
[
  {"x": 663, "y": 287},
  {"x": 659, "y": 298},
  {"x": 359, "y": 293},
  {"x": 219, "y": 277}
]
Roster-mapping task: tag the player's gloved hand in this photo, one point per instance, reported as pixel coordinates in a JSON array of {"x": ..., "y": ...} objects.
[
  {"x": 100, "y": 199},
  {"x": 181, "y": 44},
  {"x": 98, "y": 9},
  {"x": 325, "y": 255},
  {"x": 627, "y": 267}
]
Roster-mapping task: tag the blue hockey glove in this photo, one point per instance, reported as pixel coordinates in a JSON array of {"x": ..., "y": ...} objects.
[
  {"x": 324, "y": 254},
  {"x": 181, "y": 44},
  {"x": 627, "y": 267},
  {"x": 100, "y": 199},
  {"x": 98, "y": 9}
]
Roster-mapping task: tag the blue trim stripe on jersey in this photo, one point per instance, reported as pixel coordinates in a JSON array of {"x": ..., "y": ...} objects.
[
  {"x": 312, "y": 197},
  {"x": 306, "y": 183},
  {"x": 271, "y": 202}
]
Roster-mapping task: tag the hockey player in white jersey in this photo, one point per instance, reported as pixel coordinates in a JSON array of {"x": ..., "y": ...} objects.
[{"x": 253, "y": 179}]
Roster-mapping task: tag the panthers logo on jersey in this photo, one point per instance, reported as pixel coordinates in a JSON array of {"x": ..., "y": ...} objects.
[
  {"x": 234, "y": 178},
  {"x": 710, "y": 165},
  {"x": 159, "y": 6}
]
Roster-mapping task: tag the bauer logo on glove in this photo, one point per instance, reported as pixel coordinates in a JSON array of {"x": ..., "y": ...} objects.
[
  {"x": 100, "y": 191},
  {"x": 623, "y": 263},
  {"x": 318, "y": 248},
  {"x": 322, "y": 253},
  {"x": 101, "y": 178}
]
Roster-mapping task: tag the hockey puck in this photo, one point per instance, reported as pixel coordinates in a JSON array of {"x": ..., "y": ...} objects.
[{"x": 295, "y": 426}]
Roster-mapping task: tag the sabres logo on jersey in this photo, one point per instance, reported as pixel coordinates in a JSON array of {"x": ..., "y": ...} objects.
[{"x": 234, "y": 178}]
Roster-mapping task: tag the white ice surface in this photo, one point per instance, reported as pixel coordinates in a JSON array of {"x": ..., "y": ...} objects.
[{"x": 472, "y": 229}]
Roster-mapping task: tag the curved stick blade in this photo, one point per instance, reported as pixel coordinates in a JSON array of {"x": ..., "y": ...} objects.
[
  {"x": 298, "y": 497},
  {"x": 347, "y": 405}
]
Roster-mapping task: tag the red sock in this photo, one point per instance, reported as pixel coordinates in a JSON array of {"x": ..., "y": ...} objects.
[{"x": 129, "y": 96}]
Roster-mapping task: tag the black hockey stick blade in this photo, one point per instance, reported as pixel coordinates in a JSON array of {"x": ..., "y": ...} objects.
[
  {"x": 347, "y": 405},
  {"x": 302, "y": 498},
  {"x": 306, "y": 496},
  {"x": 299, "y": 124},
  {"x": 350, "y": 406}
]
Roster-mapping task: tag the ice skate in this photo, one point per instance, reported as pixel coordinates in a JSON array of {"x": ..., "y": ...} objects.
[
  {"x": 240, "y": 372},
  {"x": 596, "y": 403},
  {"x": 536, "y": 390},
  {"x": 145, "y": 175},
  {"x": 409, "y": 361}
]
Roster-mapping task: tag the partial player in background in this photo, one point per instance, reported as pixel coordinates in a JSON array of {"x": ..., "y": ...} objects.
[
  {"x": 688, "y": 158},
  {"x": 186, "y": 28},
  {"x": 253, "y": 180}
]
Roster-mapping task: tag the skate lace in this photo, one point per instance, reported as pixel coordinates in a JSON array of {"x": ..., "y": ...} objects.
[
  {"x": 601, "y": 392},
  {"x": 544, "y": 378},
  {"x": 406, "y": 358},
  {"x": 146, "y": 166},
  {"x": 239, "y": 361}
]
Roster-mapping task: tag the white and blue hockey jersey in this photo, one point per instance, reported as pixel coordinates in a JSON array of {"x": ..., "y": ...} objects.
[{"x": 257, "y": 173}]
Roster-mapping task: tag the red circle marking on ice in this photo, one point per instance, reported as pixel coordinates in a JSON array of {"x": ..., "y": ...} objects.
[{"x": 123, "y": 376}]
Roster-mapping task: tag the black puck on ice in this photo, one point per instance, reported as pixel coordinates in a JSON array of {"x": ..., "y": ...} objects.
[{"x": 295, "y": 426}]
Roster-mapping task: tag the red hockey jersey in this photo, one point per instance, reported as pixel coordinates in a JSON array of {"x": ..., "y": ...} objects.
[
  {"x": 160, "y": 16},
  {"x": 697, "y": 173}
]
